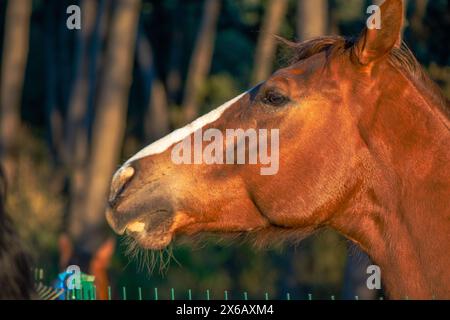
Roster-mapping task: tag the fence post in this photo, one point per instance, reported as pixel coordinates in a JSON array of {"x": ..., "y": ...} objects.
[{"x": 124, "y": 293}]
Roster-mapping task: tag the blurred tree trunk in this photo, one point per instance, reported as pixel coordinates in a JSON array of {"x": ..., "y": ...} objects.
[
  {"x": 110, "y": 119},
  {"x": 53, "y": 112},
  {"x": 417, "y": 20},
  {"x": 174, "y": 78},
  {"x": 63, "y": 57},
  {"x": 107, "y": 136},
  {"x": 77, "y": 137},
  {"x": 104, "y": 17},
  {"x": 201, "y": 59},
  {"x": 156, "y": 121},
  {"x": 420, "y": 10},
  {"x": 265, "y": 50},
  {"x": 157, "y": 116},
  {"x": 51, "y": 99},
  {"x": 405, "y": 16},
  {"x": 312, "y": 19},
  {"x": 15, "y": 53}
]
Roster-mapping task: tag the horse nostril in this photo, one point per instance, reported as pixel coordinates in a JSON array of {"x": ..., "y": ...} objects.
[{"x": 119, "y": 181}]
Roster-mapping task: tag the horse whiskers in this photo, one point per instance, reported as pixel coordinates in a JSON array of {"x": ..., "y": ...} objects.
[
  {"x": 149, "y": 260},
  {"x": 272, "y": 237}
]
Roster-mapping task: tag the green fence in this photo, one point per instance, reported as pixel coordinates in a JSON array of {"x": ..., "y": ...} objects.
[{"x": 88, "y": 292}]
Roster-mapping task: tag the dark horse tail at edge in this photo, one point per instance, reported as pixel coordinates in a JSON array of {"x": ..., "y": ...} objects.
[{"x": 16, "y": 280}]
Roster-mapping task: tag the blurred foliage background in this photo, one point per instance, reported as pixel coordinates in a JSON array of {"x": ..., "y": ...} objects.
[{"x": 76, "y": 103}]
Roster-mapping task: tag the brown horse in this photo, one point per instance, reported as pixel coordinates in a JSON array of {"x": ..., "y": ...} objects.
[{"x": 364, "y": 147}]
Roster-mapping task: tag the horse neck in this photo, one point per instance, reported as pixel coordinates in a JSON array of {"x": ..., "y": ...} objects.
[{"x": 401, "y": 214}]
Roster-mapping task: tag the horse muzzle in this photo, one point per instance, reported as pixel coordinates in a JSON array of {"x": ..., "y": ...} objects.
[{"x": 135, "y": 206}]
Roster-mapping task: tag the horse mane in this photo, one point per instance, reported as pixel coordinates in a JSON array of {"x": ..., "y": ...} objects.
[{"x": 400, "y": 58}]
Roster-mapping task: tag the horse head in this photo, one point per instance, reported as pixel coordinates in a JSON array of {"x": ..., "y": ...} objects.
[{"x": 328, "y": 141}]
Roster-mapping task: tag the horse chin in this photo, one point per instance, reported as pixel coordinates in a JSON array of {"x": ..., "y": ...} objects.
[
  {"x": 153, "y": 232},
  {"x": 153, "y": 240}
]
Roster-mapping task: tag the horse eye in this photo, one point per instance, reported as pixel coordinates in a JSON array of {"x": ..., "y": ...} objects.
[{"x": 274, "y": 98}]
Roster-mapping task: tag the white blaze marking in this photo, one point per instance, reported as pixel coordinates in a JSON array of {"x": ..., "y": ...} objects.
[{"x": 176, "y": 136}]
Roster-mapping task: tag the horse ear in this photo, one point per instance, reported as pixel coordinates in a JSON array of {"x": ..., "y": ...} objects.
[{"x": 374, "y": 43}]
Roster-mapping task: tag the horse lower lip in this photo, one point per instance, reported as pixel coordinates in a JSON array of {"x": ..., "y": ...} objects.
[
  {"x": 151, "y": 214},
  {"x": 149, "y": 221},
  {"x": 156, "y": 234},
  {"x": 154, "y": 241}
]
